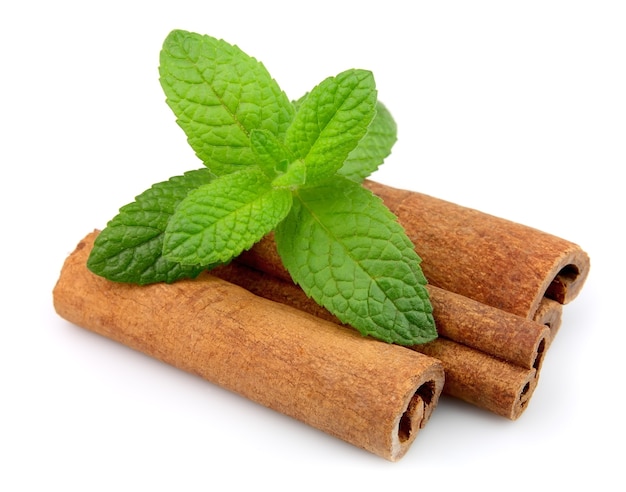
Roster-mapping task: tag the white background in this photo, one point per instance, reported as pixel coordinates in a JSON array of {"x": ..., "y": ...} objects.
[{"x": 515, "y": 108}]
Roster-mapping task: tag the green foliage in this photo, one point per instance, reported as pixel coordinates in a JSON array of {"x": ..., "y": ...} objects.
[
  {"x": 219, "y": 95},
  {"x": 273, "y": 165},
  {"x": 217, "y": 221},
  {"x": 344, "y": 248},
  {"x": 331, "y": 121},
  {"x": 129, "y": 249}
]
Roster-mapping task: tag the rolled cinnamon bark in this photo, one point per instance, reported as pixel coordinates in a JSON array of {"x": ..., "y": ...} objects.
[
  {"x": 374, "y": 395},
  {"x": 489, "y": 382},
  {"x": 492, "y": 260},
  {"x": 518, "y": 340},
  {"x": 498, "y": 333},
  {"x": 483, "y": 381},
  {"x": 550, "y": 314}
]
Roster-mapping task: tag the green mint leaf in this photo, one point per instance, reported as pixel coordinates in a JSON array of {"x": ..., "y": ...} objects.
[
  {"x": 373, "y": 148},
  {"x": 348, "y": 252},
  {"x": 330, "y": 122},
  {"x": 274, "y": 159},
  {"x": 219, "y": 220},
  {"x": 271, "y": 154},
  {"x": 129, "y": 248},
  {"x": 219, "y": 95},
  {"x": 293, "y": 177}
]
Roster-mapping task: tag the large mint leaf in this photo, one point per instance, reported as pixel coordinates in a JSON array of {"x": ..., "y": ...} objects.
[
  {"x": 348, "y": 252},
  {"x": 218, "y": 221},
  {"x": 330, "y": 122},
  {"x": 373, "y": 148},
  {"x": 129, "y": 249},
  {"x": 219, "y": 94}
]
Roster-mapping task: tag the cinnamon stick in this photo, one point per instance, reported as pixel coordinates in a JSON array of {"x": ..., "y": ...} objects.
[
  {"x": 490, "y": 259},
  {"x": 482, "y": 379},
  {"x": 550, "y": 314},
  {"x": 374, "y": 395},
  {"x": 520, "y": 341},
  {"x": 498, "y": 333}
]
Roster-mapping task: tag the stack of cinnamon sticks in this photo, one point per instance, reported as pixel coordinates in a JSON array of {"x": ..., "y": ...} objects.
[{"x": 497, "y": 290}]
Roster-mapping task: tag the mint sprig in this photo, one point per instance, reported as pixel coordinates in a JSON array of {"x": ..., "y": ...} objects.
[{"x": 294, "y": 168}]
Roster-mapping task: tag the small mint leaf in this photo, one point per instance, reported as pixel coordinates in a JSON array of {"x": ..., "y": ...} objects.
[
  {"x": 293, "y": 177},
  {"x": 348, "y": 252},
  {"x": 218, "y": 221},
  {"x": 129, "y": 248},
  {"x": 373, "y": 148},
  {"x": 330, "y": 122},
  {"x": 219, "y": 94},
  {"x": 271, "y": 155}
]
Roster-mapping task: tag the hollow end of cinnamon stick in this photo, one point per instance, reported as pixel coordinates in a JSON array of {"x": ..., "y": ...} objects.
[
  {"x": 568, "y": 275},
  {"x": 483, "y": 381},
  {"x": 498, "y": 333},
  {"x": 471, "y": 371},
  {"x": 550, "y": 314},
  {"x": 374, "y": 395},
  {"x": 496, "y": 261}
]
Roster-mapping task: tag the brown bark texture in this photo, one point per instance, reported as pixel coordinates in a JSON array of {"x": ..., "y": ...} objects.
[
  {"x": 483, "y": 381},
  {"x": 374, "y": 395},
  {"x": 550, "y": 314},
  {"x": 487, "y": 258},
  {"x": 502, "y": 384},
  {"x": 462, "y": 319}
]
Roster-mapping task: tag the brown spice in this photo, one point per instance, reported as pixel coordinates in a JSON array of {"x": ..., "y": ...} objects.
[
  {"x": 498, "y": 333},
  {"x": 550, "y": 313},
  {"x": 482, "y": 379},
  {"x": 517, "y": 340},
  {"x": 493, "y": 260},
  {"x": 374, "y": 395}
]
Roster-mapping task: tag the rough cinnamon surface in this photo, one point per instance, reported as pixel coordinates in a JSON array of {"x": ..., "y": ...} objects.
[
  {"x": 482, "y": 379},
  {"x": 374, "y": 395},
  {"x": 550, "y": 314},
  {"x": 493, "y": 260},
  {"x": 498, "y": 333}
]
